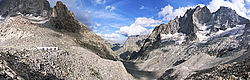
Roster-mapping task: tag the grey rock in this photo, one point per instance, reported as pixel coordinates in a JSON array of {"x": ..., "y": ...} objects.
[
  {"x": 180, "y": 61},
  {"x": 34, "y": 7},
  {"x": 131, "y": 45},
  {"x": 226, "y": 18},
  {"x": 188, "y": 24}
]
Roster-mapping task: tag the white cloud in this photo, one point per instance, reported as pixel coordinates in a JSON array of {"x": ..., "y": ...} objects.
[
  {"x": 142, "y": 7},
  {"x": 97, "y": 24},
  {"x": 248, "y": 1},
  {"x": 110, "y": 8},
  {"x": 139, "y": 27},
  {"x": 168, "y": 12},
  {"x": 113, "y": 35},
  {"x": 146, "y": 22}
]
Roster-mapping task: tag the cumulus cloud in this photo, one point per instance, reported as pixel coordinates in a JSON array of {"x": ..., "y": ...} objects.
[
  {"x": 139, "y": 27},
  {"x": 247, "y": 0},
  {"x": 113, "y": 35},
  {"x": 169, "y": 13},
  {"x": 97, "y": 24},
  {"x": 142, "y": 7},
  {"x": 146, "y": 22},
  {"x": 110, "y": 8}
]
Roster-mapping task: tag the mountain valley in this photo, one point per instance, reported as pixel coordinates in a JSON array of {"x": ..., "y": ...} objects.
[{"x": 198, "y": 45}]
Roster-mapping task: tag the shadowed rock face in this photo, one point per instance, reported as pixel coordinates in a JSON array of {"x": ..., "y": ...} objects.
[
  {"x": 226, "y": 18},
  {"x": 34, "y": 7},
  {"x": 189, "y": 25},
  {"x": 61, "y": 18}
]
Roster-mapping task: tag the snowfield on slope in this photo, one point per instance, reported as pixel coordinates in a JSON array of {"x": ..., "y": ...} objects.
[{"x": 205, "y": 35}]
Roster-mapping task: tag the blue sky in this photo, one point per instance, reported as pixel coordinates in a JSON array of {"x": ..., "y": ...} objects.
[{"x": 118, "y": 19}]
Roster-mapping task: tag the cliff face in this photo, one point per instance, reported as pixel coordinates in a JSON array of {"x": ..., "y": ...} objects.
[
  {"x": 63, "y": 19},
  {"x": 34, "y": 7}
]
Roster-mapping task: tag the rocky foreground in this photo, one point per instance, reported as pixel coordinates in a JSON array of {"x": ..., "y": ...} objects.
[
  {"x": 232, "y": 71},
  {"x": 81, "y": 54}
]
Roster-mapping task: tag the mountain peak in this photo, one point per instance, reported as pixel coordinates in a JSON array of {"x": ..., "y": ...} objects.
[
  {"x": 223, "y": 9},
  {"x": 62, "y": 18},
  {"x": 193, "y": 21}
]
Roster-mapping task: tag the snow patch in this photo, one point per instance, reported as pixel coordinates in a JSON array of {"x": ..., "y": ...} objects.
[
  {"x": 30, "y": 16},
  {"x": 177, "y": 37},
  {"x": 37, "y": 19},
  {"x": 248, "y": 30},
  {"x": 202, "y": 33},
  {"x": 1, "y": 18},
  {"x": 203, "y": 37},
  {"x": 232, "y": 32}
]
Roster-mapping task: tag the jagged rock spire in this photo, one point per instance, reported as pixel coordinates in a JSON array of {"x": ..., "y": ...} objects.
[{"x": 62, "y": 18}]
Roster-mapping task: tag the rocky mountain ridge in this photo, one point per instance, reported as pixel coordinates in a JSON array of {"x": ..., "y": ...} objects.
[
  {"x": 193, "y": 21},
  {"x": 193, "y": 43}
]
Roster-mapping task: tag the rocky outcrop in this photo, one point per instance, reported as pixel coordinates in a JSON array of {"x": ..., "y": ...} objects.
[
  {"x": 34, "y": 7},
  {"x": 63, "y": 19},
  {"x": 233, "y": 71},
  {"x": 201, "y": 15},
  {"x": 24, "y": 64},
  {"x": 190, "y": 24}
]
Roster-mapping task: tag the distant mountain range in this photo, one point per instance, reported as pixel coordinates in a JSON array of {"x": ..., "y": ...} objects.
[{"x": 196, "y": 42}]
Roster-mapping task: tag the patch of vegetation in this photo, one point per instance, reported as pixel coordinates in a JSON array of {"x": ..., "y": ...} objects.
[
  {"x": 95, "y": 73},
  {"x": 71, "y": 71}
]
